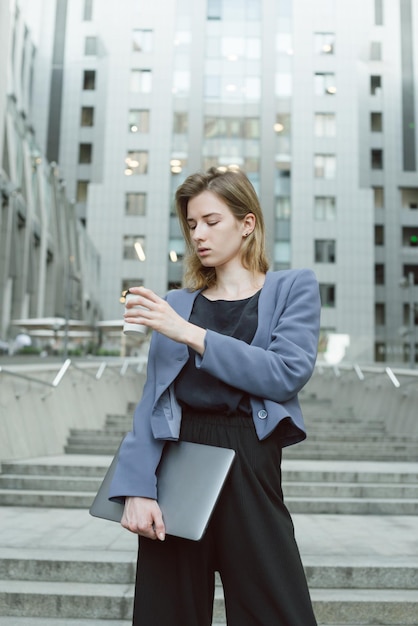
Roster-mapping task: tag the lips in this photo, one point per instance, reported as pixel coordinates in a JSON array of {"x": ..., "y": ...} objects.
[{"x": 203, "y": 251}]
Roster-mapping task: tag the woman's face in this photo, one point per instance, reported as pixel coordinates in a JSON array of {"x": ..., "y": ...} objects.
[{"x": 215, "y": 232}]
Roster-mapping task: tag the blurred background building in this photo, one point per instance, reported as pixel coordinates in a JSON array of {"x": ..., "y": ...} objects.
[{"x": 315, "y": 101}]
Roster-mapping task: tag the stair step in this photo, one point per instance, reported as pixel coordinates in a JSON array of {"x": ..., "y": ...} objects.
[
  {"x": 90, "y": 601},
  {"x": 87, "y": 467},
  {"x": 306, "y": 504},
  {"x": 60, "y": 599},
  {"x": 345, "y": 454},
  {"x": 292, "y": 470},
  {"x": 49, "y": 499},
  {"x": 369, "y": 606},
  {"x": 294, "y": 489},
  {"x": 352, "y": 506},
  {"x": 49, "y": 483},
  {"x": 53, "y": 621},
  {"x": 102, "y": 449},
  {"x": 94, "y": 567},
  {"x": 93, "y": 439},
  {"x": 370, "y": 490}
]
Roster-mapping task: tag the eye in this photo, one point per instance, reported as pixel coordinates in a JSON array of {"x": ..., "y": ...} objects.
[{"x": 212, "y": 223}]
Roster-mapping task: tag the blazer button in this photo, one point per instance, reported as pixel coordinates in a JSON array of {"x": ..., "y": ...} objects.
[{"x": 262, "y": 414}]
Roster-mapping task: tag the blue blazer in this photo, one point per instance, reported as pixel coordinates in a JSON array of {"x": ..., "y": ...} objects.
[{"x": 272, "y": 369}]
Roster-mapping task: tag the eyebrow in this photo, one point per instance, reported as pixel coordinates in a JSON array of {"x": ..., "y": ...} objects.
[{"x": 192, "y": 219}]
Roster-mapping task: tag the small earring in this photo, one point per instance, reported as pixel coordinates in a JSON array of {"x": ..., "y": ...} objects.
[{"x": 246, "y": 234}]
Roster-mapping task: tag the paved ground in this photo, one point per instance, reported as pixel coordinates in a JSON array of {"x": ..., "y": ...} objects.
[{"x": 357, "y": 538}]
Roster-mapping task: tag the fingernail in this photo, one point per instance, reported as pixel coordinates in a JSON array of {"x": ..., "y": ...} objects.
[{"x": 161, "y": 537}]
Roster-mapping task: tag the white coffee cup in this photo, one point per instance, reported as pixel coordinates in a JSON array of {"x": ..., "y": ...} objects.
[{"x": 128, "y": 328}]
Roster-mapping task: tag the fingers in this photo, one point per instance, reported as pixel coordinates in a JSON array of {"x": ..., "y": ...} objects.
[
  {"x": 143, "y": 516},
  {"x": 145, "y": 294}
]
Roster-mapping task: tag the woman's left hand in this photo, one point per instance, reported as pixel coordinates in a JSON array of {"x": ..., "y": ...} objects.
[{"x": 160, "y": 316}]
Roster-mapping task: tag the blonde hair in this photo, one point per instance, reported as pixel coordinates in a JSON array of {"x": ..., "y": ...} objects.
[{"x": 233, "y": 188}]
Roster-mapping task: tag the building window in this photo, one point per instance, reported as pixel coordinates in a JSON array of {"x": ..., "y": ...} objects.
[
  {"x": 325, "y": 125},
  {"x": 406, "y": 310},
  {"x": 212, "y": 86},
  {"x": 283, "y": 208},
  {"x": 82, "y": 188},
  {"x": 134, "y": 247},
  {"x": 135, "y": 203},
  {"x": 251, "y": 165},
  {"x": 282, "y": 252},
  {"x": 90, "y": 46},
  {"x": 324, "y": 250},
  {"x": 139, "y": 121},
  {"x": 376, "y": 122},
  {"x": 379, "y": 235},
  {"x": 325, "y": 84},
  {"x": 325, "y": 208},
  {"x": 327, "y": 294},
  {"x": 234, "y": 48},
  {"x": 284, "y": 165},
  {"x": 136, "y": 162},
  {"x": 89, "y": 80},
  {"x": 379, "y": 197},
  {"x": 87, "y": 116},
  {"x": 378, "y": 12},
  {"x": 375, "y": 85},
  {"x": 180, "y": 123},
  {"x": 127, "y": 283},
  {"x": 410, "y": 269},
  {"x": 410, "y": 237},
  {"x": 88, "y": 10},
  {"x": 141, "y": 81},
  {"x": 324, "y": 166},
  {"x": 251, "y": 128},
  {"x": 142, "y": 40},
  {"x": 375, "y": 51},
  {"x": 177, "y": 249},
  {"x": 231, "y": 127},
  {"x": 177, "y": 164},
  {"x": 324, "y": 43},
  {"x": 214, "y": 10},
  {"x": 409, "y": 197},
  {"x": 379, "y": 274},
  {"x": 380, "y": 352},
  {"x": 376, "y": 158},
  {"x": 380, "y": 314},
  {"x": 284, "y": 43},
  {"x": 181, "y": 82},
  {"x": 284, "y": 85},
  {"x": 85, "y": 152}
]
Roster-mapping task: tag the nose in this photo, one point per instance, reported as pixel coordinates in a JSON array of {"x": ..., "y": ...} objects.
[{"x": 198, "y": 232}]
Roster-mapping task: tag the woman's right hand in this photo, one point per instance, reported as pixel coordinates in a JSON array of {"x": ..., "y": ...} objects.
[{"x": 143, "y": 516}]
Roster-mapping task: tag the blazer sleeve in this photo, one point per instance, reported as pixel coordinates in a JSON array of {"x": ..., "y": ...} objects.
[
  {"x": 140, "y": 452},
  {"x": 279, "y": 372}
]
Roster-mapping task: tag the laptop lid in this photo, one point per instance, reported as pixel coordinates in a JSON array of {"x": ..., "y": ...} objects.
[{"x": 190, "y": 478}]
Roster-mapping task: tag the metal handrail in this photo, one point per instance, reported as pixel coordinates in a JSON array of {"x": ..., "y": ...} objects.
[
  {"x": 55, "y": 382},
  {"x": 393, "y": 374},
  {"x": 64, "y": 368}
]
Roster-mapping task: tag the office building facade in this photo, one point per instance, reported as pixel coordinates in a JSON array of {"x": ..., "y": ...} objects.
[
  {"x": 49, "y": 268},
  {"x": 316, "y": 102}
]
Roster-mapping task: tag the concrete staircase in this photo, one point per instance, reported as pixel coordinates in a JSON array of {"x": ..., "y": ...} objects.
[
  {"x": 356, "y": 522},
  {"x": 86, "y": 586}
]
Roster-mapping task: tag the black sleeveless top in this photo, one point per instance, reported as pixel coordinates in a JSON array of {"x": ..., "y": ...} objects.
[{"x": 200, "y": 391}]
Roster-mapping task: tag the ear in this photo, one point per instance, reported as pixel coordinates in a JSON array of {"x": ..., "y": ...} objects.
[{"x": 248, "y": 223}]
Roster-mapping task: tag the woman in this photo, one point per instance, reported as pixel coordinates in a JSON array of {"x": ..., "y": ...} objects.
[{"x": 230, "y": 355}]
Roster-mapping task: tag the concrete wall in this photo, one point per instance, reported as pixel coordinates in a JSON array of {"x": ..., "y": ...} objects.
[
  {"x": 35, "y": 419},
  {"x": 344, "y": 394}
]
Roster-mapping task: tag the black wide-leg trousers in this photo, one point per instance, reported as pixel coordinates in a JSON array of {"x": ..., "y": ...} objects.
[{"x": 249, "y": 541}]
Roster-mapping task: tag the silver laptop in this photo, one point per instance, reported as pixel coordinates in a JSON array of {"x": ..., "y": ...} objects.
[{"x": 190, "y": 478}]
